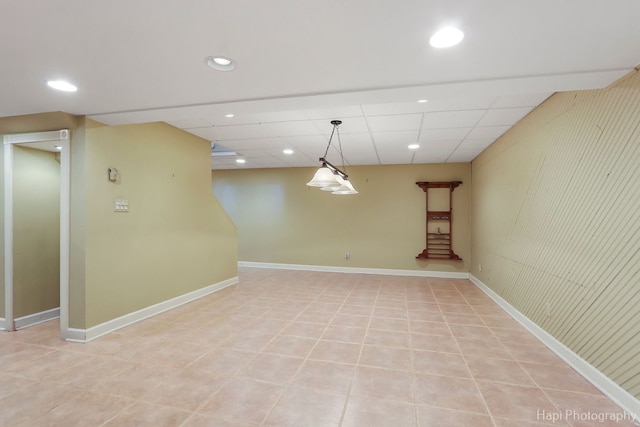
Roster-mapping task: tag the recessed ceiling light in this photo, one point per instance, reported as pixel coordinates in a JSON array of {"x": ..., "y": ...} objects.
[
  {"x": 446, "y": 37},
  {"x": 413, "y": 146},
  {"x": 422, "y": 101},
  {"x": 220, "y": 63},
  {"x": 287, "y": 151},
  {"x": 221, "y": 60},
  {"x": 241, "y": 161},
  {"x": 62, "y": 85},
  {"x": 229, "y": 115}
]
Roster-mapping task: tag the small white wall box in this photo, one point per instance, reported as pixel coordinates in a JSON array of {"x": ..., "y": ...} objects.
[{"x": 113, "y": 174}]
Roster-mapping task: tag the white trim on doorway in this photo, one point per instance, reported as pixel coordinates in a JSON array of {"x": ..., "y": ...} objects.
[{"x": 61, "y": 138}]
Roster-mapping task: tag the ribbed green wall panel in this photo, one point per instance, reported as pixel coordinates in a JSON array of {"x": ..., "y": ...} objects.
[{"x": 556, "y": 220}]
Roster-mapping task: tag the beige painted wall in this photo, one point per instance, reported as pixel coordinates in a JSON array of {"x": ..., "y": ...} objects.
[
  {"x": 281, "y": 220},
  {"x": 176, "y": 237},
  {"x": 36, "y": 232},
  {"x": 556, "y": 220}
]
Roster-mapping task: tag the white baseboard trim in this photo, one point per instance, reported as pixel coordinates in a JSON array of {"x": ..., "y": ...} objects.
[
  {"x": 333, "y": 269},
  {"x": 3, "y": 326},
  {"x": 86, "y": 335},
  {"x": 36, "y": 318},
  {"x": 74, "y": 335},
  {"x": 616, "y": 393}
]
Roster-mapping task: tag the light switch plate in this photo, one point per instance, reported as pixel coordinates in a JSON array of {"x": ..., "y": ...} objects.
[{"x": 121, "y": 205}]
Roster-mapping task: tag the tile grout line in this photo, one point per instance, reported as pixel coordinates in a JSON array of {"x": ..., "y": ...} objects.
[
  {"x": 355, "y": 371},
  {"x": 306, "y": 359},
  {"x": 475, "y": 382}
]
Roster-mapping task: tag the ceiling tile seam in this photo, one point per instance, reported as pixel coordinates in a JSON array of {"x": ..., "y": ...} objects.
[
  {"x": 465, "y": 137},
  {"x": 493, "y": 102},
  {"x": 373, "y": 141},
  {"x": 419, "y": 132},
  {"x": 279, "y": 122}
]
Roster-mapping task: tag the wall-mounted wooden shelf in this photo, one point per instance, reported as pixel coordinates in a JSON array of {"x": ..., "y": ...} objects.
[{"x": 438, "y": 225}]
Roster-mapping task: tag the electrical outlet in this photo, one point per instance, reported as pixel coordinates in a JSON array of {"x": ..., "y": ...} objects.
[
  {"x": 547, "y": 309},
  {"x": 346, "y": 255},
  {"x": 479, "y": 267}
]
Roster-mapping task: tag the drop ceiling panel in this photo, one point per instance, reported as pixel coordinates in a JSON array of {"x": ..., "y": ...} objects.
[
  {"x": 362, "y": 158},
  {"x": 240, "y": 118},
  {"x": 254, "y": 144},
  {"x": 395, "y": 139},
  {"x": 290, "y": 129},
  {"x": 394, "y": 123},
  {"x": 395, "y": 108},
  {"x": 452, "y": 119},
  {"x": 443, "y": 134},
  {"x": 460, "y": 104},
  {"x": 329, "y": 114},
  {"x": 448, "y": 145},
  {"x": 316, "y": 145},
  {"x": 487, "y": 132},
  {"x": 504, "y": 116},
  {"x": 396, "y": 157},
  {"x": 475, "y": 144},
  {"x": 462, "y": 156},
  {"x": 431, "y": 156},
  {"x": 349, "y": 125},
  {"x": 223, "y": 133},
  {"x": 294, "y": 95}
]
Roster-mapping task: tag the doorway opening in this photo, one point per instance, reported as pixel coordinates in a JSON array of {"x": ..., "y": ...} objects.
[{"x": 56, "y": 142}]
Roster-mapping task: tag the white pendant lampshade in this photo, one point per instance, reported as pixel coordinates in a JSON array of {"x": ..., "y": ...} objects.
[
  {"x": 330, "y": 178},
  {"x": 332, "y": 188},
  {"x": 345, "y": 188},
  {"x": 323, "y": 178}
]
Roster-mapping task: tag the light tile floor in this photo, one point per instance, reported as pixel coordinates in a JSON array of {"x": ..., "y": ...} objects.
[{"x": 303, "y": 349}]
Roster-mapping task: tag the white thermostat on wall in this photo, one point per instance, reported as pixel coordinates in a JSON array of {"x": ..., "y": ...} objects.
[{"x": 113, "y": 174}]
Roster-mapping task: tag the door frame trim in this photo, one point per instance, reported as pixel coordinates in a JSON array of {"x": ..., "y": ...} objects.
[{"x": 62, "y": 137}]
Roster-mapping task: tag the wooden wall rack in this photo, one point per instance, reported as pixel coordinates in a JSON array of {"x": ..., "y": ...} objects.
[{"x": 438, "y": 225}]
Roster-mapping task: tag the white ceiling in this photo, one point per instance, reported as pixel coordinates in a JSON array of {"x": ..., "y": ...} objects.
[{"x": 303, "y": 63}]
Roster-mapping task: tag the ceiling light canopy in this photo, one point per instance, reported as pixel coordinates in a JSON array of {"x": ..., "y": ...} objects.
[
  {"x": 329, "y": 177},
  {"x": 446, "y": 37},
  {"x": 220, "y": 63},
  {"x": 413, "y": 146},
  {"x": 62, "y": 85},
  {"x": 287, "y": 151}
]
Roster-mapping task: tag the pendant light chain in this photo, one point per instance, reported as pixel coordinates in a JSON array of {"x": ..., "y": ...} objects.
[
  {"x": 344, "y": 169},
  {"x": 330, "y": 139}
]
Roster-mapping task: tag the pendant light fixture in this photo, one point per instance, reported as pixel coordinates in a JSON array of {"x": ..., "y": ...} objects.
[{"x": 329, "y": 177}]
